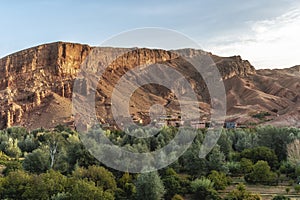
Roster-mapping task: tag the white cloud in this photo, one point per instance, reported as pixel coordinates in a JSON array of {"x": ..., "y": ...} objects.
[{"x": 273, "y": 43}]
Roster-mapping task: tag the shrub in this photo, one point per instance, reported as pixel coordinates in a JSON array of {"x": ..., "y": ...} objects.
[
  {"x": 177, "y": 197},
  {"x": 12, "y": 166},
  {"x": 261, "y": 115},
  {"x": 246, "y": 165},
  {"x": 240, "y": 193},
  {"x": 219, "y": 179},
  {"x": 203, "y": 189},
  {"x": 234, "y": 168},
  {"x": 280, "y": 197}
]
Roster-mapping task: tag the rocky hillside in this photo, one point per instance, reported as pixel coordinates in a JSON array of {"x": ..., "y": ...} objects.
[{"x": 36, "y": 86}]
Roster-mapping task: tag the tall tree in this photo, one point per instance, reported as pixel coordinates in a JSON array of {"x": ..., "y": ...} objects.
[
  {"x": 149, "y": 186},
  {"x": 217, "y": 161}
]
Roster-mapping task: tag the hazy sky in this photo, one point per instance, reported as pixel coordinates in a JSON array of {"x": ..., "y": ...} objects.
[{"x": 265, "y": 32}]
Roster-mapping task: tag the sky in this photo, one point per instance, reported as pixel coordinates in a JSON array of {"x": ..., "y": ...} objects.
[{"x": 265, "y": 32}]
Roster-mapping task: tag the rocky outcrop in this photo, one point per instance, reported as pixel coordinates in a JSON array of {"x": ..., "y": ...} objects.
[
  {"x": 234, "y": 66},
  {"x": 32, "y": 79},
  {"x": 28, "y": 76}
]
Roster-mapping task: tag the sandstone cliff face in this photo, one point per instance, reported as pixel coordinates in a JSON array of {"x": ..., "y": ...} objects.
[
  {"x": 36, "y": 84},
  {"x": 234, "y": 66},
  {"x": 228, "y": 66},
  {"x": 29, "y": 76}
]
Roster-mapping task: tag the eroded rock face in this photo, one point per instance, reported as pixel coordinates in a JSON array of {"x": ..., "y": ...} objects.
[
  {"x": 234, "y": 66},
  {"x": 29, "y": 76},
  {"x": 38, "y": 82}
]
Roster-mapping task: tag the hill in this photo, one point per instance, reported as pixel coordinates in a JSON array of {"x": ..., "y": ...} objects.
[{"x": 36, "y": 86}]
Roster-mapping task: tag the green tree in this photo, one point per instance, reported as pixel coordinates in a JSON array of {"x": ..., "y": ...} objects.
[
  {"x": 61, "y": 162},
  {"x": 243, "y": 139},
  {"x": 172, "y": 184},
  {"x": 83, "y": 189},
  {"x": 38, "y": 161},
  {"x": 287, "y": 190},
  {"x": 12, "y": 166},
  {"x": 126, "y": 187},
  {"x": 261, "y": 153},
  {"x": 219, "y": 179},
  {"x": 261, "y": 174},
  {"x": 149, "y": 186},
  {"x": 216, "y": 160},
  {"x": 203, "y": 188},
  {"x": 234, "y": 168},
  {"x": 15, "y": 185},
  {"x": 28, "y": 144},
  {"x": 78, "y": 155},
  {"x": 225, "y": 144},
  {"x": 276, "y": 139},
  {"x": 45, "y": 185},
  {"x": 190, "y": 161},
  {"x": 99, "y": 175},
  {"x": 246, "y": 165},
  {"x": 54, "y": 141},
  {"x": 287, "y": 168}
]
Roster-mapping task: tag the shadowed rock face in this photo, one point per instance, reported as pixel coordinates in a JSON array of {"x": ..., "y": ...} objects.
[{"x": 36, "y": 85}]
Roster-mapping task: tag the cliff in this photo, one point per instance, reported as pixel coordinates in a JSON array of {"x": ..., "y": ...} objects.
[{"x": 36, "y": 84}]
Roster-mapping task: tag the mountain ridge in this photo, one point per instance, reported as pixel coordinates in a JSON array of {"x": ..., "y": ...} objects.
[{"x": 38, "y": 79}]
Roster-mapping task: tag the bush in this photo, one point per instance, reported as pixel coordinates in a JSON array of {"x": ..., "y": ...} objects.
[
  {"x": 246, "y": 165},
  {"x": 172, "y": 185},
  {"x": 219, "y": 179},
  {"x": 83, "y": 189},
  {"x": 281, "y": 198},
  {"x": 240, "y": 193},
  {"x": 12, "y": 166},
  {"x": 203, "y": 189},
  {"x": 28, "y": 144},
  {"x": 287, "y": 168},
  {"x": 99, "y": 175},
  {"x": 261, "y": 115},
  {"x": 15, "y": 185},
  {"x": 177, "y": 197},
  {"x": 234, "y": 168}
]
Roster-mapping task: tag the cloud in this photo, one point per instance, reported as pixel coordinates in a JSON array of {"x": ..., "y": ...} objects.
[{"x": 272, "y": 43}]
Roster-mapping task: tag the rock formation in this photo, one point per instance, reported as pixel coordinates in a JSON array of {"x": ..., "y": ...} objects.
[{"x": 36, "y": 84}]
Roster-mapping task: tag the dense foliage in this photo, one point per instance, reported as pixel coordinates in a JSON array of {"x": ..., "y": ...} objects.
[{"x": 53, "y": 164}]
